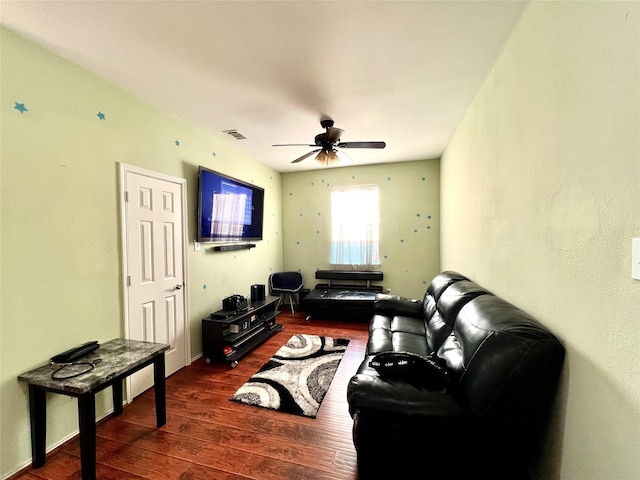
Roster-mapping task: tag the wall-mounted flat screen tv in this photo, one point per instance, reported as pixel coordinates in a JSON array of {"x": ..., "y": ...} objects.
[{"x": 229, "y": 209}]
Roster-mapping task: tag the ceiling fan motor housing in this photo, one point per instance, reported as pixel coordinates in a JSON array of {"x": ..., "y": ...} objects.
[{"x": 321, "y": 141}]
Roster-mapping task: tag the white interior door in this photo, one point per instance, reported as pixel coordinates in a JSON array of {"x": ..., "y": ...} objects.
[{"x": 155, "y": 265}]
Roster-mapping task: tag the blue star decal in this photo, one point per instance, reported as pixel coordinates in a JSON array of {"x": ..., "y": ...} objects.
[
  {"x": 20, "y": 107},
  {"x": 177, "y": 143},
  {"x": 101, "y": 115}
]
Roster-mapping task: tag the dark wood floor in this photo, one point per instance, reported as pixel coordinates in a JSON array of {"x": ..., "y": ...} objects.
[{"x": 207, "y": 437}]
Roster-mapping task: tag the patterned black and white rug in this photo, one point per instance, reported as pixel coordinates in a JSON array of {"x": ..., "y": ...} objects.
[{"x": 297, "y": 377}]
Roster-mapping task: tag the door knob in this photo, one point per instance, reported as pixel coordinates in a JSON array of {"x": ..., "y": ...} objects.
[{"x": 178, "y": 286}]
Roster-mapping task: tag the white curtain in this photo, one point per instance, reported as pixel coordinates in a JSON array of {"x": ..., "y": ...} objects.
[{"x": 354, "y": 227}]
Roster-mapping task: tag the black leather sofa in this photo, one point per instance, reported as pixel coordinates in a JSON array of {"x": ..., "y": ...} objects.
[{"x": 458, "y": 385}]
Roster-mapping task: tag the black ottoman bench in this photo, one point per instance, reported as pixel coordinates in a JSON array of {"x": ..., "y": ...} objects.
[{"x": 336, "y": 299}]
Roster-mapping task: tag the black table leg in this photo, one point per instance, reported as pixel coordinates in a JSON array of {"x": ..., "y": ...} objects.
[
  {"x": 87, "y": 421},
  {"x": 38, "y": 413},
  {"x": 116, "y": 392},
  {"x": 159, "y": 390}
]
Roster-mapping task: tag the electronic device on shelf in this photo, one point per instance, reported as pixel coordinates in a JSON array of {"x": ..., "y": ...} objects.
[
  {"x": 235, "y": 303},
  {"x": 241, "y": 326}
]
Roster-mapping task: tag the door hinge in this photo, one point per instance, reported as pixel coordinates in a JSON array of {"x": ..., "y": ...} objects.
[
  {"x": 126, "y": 196},
  {"x": 128, "y": 280}
]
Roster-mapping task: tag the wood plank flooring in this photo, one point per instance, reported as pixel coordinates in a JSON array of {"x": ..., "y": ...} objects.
[{"x": 208, "y": 437}]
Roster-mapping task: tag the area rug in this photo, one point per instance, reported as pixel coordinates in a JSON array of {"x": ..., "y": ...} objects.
[{"x": 296, "y": 379}]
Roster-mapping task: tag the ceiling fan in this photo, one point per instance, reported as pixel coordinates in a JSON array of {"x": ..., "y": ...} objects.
[{"x": 329, "y": 145}]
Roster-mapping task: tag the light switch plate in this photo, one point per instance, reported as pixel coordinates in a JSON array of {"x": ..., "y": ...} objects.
[{"x": 635, "y": 258}]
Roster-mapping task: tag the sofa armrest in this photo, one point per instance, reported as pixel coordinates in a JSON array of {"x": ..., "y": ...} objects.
[
  {"x": 394, "y": 305},
  {"x": 372, "y": 393}
]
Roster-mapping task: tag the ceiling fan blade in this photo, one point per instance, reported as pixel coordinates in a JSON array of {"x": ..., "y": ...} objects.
[
  {"x": 362, "y": 145},
  {"x": 333, "y": 134},
  {"x": 293, "y": 145},
  {"x": 306, "y": 155},
  {"x": 344, "y": 158}
]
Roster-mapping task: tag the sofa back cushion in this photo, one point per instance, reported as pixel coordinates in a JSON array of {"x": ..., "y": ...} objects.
[
  {"x": 452, "y": 299},
  {"x": 441, "y": 282},
  {"x": 506, "y": 364},
  {"x": 432, "y": 320}
]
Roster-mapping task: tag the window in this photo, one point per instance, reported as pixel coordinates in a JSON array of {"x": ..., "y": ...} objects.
[{"x": 354, "y": 226}]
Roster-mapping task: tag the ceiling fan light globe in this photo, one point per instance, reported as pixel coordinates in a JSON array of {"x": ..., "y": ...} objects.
[{"x": 327, "y": 158}]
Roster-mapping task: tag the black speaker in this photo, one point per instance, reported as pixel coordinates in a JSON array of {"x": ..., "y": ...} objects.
[
  {"x": 239, "y": 246},
  {"x": 257, "y": 292}
]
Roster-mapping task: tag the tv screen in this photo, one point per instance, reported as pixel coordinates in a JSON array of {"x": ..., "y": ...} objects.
[{"x": 228, "y": 209}]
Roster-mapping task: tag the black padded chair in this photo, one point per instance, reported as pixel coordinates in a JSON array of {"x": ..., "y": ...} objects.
[{"x": 285, "y": 284}]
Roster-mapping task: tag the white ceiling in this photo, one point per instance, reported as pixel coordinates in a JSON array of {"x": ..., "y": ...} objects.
[{"x": 403, "y": 72}]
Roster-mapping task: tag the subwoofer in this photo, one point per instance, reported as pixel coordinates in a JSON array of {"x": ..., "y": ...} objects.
[{"x": 257, "y": 292}]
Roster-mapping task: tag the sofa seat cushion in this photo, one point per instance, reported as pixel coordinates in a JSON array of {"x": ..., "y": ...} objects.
[
  {"x": 397, "y": 334},
  {"x": 385, "y": 341},
  {"x": 408, "y": 342},
  {"x": 398, "y": 324}
]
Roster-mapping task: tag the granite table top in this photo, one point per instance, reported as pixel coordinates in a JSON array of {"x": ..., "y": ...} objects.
[{"x": 117, "y": 357}]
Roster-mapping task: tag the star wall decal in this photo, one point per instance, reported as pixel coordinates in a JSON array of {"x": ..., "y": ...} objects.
[
  {"x": 177, "y": 143},
  {"x": 20, "y": 107},
  {"x": 101, "y": 115}
]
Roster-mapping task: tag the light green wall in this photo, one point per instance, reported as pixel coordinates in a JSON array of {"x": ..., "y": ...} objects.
[
  {"x": 409, "y": 221},
  {"x": 540, "y": 200},
  {"x": 60, "y": 274}
]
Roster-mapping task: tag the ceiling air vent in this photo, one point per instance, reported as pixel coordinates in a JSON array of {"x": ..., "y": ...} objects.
[{"x": 235, "y": 134}]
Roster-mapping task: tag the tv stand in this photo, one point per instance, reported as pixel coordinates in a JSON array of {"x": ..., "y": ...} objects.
[{"x": 228, "y": 338}]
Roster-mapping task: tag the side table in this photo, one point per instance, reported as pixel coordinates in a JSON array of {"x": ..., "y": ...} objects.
[{"x": 119, "y": 359}]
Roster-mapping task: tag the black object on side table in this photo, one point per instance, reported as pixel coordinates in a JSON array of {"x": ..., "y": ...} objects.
[
  {"x": 229, "y": 336},
  {"x": 119, "y": 358}
]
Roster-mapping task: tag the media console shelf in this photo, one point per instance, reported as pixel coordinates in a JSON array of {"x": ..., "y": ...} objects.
[{"x": 229, "y": 336}]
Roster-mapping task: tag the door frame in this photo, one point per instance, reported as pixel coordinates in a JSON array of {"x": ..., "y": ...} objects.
[{"x": 124, "y": 170}]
